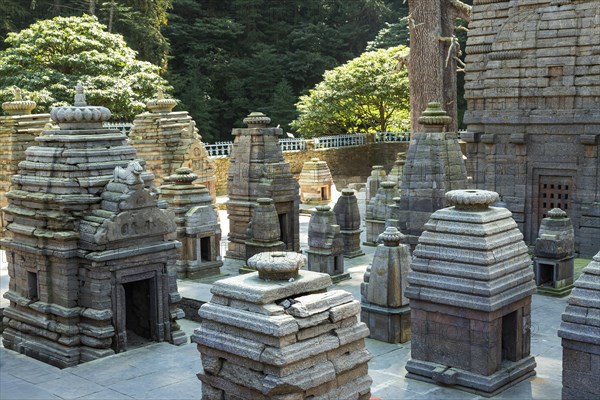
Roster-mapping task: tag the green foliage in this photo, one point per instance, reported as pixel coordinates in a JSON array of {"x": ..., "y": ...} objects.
[
  {"x": 395, "y": 34},
  {"x": 47, "y": 59},
  {"x": 369, "y": 93}
]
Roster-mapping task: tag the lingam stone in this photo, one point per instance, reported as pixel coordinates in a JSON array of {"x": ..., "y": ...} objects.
[
  {"x": 384, "y": 307},
  {"x": 315, "y": 182},
  {"x": 470, "y": 285},
  {"x": 554, "y": 254},
  {"x": 379, "y": 211},
  {"x": 279, "y": 334},
  {"x": 347, "y": 216},
  {"x": 169, "y": 140},
  {"x": 264, "y": 232},
  {"x": 580, "y": 336},
  {"x": 198, "y": 227},
  {"x": 257, "y": 169},
  {"x": 326, "y": 244}
]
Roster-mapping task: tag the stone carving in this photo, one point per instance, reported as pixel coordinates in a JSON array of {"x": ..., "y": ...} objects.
[
  {"x": 373, "y": 181},
  {"x": 554, "y": 254},
  {"x": 315, "y": 182},
  {"x": 580, "y": 333},
  {"x": 470, "y": 288},
  {"x": 18, "y": 106},
  {"x": 129, "y": 175},
  {"x": 198, "y": 227},
  {"x": 263, "y": 232},
  {"x": 384, "y": 306},
  {"x": 88, "y": 258},
  {"x": 169, "y": 140},
  {"x": 434, "y": 165},
  {"x": 347, "y": 216},
  {"x": 325, "y": 244},
  {"x": 533, "y": 111},
  {"x": 257, "y": 169},
  {"x": 282, "y": 337},
  {"x": 379, "y": 211}
]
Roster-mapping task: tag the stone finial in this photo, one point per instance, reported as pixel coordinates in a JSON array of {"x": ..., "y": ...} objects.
[
  {"x": 79, "y": 99},
  {"x": 18, "y": 106},
  {"x": 388, "y": 184},
  {"x": 315, "y": 160},
  {"x": 391, "y": 237},
  {"x": 323, "y": 208},
  {"x": 277, "y": 266},
  {"x": 347, "y": 192},
  {"x": 471, "y": 200},
  {"x": 69, "y": 117},
  {"x": 160, "y": 104},
  {"x": 557, "y": 213},
  {"x": 183, "y": 176},
  {"x": 434, "y": 117},
  {"x": 257, "y": 120}
]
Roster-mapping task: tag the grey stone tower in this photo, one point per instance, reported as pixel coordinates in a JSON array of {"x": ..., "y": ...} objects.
[
  {"x": 347, "y": 216},
  {"x": 326, "y": 246},
  {"x": 263, "y": 230}
]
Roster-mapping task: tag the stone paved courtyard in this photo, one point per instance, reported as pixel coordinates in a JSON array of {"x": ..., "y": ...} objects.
[{"x": 136, "y": 374}]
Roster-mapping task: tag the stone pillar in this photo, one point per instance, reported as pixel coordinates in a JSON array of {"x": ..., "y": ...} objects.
[
  {"x": 17, "y": 131},
  {"x": 315, "y": 182},
  {"x": 434, "y": 165},
  {"x": 263, "y": 230},
  {"x": 257, "y": 169},
  {"x": 580, "y": 336},
  {"x": 198, "y": 227},
  {"x": 169, "y": 140},
  {"x": 373, "y": 181},
  {"x": 384, "y": 307},
  {"x": 347, "y": 216},
  {"x": 554, "y": 254},
  {"x": 326, "y": 245},
  {"x": 470, "y": 288},
  {"x": 379, "y": 211},
  {"x": 395, "y": 174},
  {"x": 276, "y": 334}
]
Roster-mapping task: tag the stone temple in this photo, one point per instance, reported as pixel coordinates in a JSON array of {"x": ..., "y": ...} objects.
[
  {"x": 532, "y": 87},
  {"x": 91, "y": 257}
]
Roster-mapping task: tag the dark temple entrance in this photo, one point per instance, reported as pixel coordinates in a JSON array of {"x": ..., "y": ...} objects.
[{"x": 139, "y": 313}]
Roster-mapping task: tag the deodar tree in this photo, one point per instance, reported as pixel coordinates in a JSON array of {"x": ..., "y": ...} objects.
[
  {"x": 47, "y": 60},
  {"x": 367, "y": 94}
]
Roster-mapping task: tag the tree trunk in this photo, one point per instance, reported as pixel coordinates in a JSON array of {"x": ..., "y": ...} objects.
[
  {"x": 92, "y": 8},
  {"x": 111, "y": 12}
]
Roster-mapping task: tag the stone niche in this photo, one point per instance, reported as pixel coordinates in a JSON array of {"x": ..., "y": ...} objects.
[
  {"x": 554, "y": 259},
  {"x": 315, "y": 182},
  {"x": 257, "y": 169},
  {"x": 470, "y": 288},
  {"x": 347, "y": 216},
  {"x": 90, "y": 255},
  {"x": 198, "y": 227},
  {"x": 169, "y": 140},
  {"x": 278, "y": 334},
  {"x": 580, "y": 333},
  {"x": 379, "y": 211},
  {"x": 326, "y": 244}
]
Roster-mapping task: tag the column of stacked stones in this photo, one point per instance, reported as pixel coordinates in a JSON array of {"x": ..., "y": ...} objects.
[
  {"x": 384, "y": 306},
  {"x": 554, "y": 259},
  {"x": 379, "y": 211},
  {"x": 395, "y": 174},
  {"x": 198, "y": 227},
  {"x": 17, "y": 131},
  {"x": 276, "y": 334},
  {"x": 470, "y": 288},
  {"x": 347, "y": 216},
  {"x": 66, "y": 294},
  {"x": 434, "y": 165},
  {"x": 169, "y": 140},
  {"x": 264, "y": 232},
  {"x": 315, "y": 182},
  {"x": 257, "y": 169},
  {"x": 325, "y": 244},
  {"x": 580, "y": 335}
]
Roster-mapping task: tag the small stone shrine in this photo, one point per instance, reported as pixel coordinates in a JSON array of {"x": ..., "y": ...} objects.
[
  {"x": 276, "y": 334},
  {"x": 554, "y": 254},
  {"x": 379, "y": 211},
  {"x": 91, "y": 258},
  {"x": 17, "y": 131},
  {"x": 198, "y": 227},
  {"x": 395, "y": 174},
  {"x": 470, "y": 288},
  {"x": 373, "y": 181},
  {"x": 257, "y": 169},
  {"x": 263, "y": 230},
  {"x": 580, "y": 333},
  {"x": 169, "y": 140},
  {"x": 434, "y": 165},
  {"x": 347, "y": 216},
  {"x": 384, "y": 308},
  {"x": 315, "y": 182},
  {"x": 326, "y": 244}
]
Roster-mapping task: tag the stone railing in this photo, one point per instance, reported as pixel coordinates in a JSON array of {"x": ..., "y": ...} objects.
[
  {"x": 328, "y": 142},
  {"x": 292, "y": 144},
  {"x": 392, "y": 137},
  {"x": 219, "y": 149},
  {"x": 124, "y": 127}
]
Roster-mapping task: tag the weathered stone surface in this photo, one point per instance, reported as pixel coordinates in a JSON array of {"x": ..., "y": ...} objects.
[
  {"x": 325, "y": 243},
  {"x": 379, "y": 211},
  {"x": 312, "y": 304},
  {"x": 315, "y": 182},
  {"x": 263, "y": 232},
  {"x": 347, "y": 216},
  {"x": 374, "y": 181},
  {"x": 483, "y": 290}
]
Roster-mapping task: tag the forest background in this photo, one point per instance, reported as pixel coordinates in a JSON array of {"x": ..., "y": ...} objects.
[{"x": 225, "y": 58}]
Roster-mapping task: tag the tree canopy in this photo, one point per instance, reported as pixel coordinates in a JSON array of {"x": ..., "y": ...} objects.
[
  {"x": 47, "y": 59},
  {"x": 367, "y": 94}
]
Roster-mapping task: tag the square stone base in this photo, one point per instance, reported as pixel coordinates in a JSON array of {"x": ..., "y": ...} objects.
[
  {"x": 554, "y": 277},
  {"x": 580, "y": 370},
  {"x": 391, "y": 325}
]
